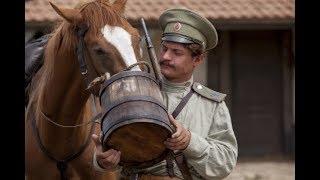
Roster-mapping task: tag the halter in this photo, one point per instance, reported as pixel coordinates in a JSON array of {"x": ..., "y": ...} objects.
[{"x": 81, "y": 31}]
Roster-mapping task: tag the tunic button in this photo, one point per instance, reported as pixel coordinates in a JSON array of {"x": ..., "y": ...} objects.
[{"x": 199, "y": 87}]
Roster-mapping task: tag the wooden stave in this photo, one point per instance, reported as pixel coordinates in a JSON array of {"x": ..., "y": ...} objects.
[{"x": 147, "y": 81}]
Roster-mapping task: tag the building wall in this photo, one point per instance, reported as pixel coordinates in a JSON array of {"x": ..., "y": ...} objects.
[{"x": 255, "y": 68}]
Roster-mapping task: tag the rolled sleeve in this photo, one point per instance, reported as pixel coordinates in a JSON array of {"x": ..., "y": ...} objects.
[{"x": 196, "y": 147}]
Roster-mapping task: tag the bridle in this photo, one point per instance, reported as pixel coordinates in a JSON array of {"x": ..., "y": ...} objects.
[{"x": 62, "y": 164}]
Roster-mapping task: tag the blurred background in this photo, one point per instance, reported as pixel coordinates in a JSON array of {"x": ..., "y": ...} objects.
[{"x": 254, "y": 63}]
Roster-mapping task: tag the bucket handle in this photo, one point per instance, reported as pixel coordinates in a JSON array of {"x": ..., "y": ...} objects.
[{"x": 139, "y": 63}]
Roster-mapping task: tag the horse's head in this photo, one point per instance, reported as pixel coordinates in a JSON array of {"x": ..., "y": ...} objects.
[{"x": 112, "y": 44}]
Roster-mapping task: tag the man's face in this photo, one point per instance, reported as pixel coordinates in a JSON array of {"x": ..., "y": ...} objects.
[{"x": 176, "y": 62}]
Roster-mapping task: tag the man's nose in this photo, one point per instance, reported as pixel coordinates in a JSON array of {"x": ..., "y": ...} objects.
[{"x": 166, "y": 55}]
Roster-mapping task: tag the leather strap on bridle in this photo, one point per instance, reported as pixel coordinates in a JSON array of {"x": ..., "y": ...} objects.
[
  {"x": 179, "y": 157},
  {"x": 81, "y": 31}
]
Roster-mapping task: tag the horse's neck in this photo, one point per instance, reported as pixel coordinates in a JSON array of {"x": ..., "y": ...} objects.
[
  {"x": 62, "y": 98},
  {"x": 63, "y": 92}
]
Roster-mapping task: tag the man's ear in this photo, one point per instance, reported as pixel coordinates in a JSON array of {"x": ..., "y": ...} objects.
[
  {"x": 73, "y": 16},
  {"x": 197, "y": 60}
]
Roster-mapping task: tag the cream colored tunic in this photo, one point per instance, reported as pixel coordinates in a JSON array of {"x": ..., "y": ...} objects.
[{"x": 212, "y": 152}]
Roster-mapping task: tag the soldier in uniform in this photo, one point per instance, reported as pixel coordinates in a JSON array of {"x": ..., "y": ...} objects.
[{"x": 204, "y": 133}]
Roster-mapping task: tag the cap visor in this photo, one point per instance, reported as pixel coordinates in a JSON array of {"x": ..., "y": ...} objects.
[{"x": 178, "y": 39}]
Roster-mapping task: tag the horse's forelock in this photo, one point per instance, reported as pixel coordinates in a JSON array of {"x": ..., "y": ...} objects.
[{"x": 98, "y": 14}]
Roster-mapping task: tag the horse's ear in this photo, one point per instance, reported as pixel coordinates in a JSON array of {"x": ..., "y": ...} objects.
[
  {"x": 119, "y": 5},
  {"x": 71, "y": 15}
]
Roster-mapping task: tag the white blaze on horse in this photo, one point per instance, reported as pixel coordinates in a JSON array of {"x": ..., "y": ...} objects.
[{"x": 92, "y": 39}]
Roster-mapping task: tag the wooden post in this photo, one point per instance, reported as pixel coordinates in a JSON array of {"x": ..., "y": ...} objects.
[
  {"x": 288, "y": 92},
  {"x": 225, "y": 80}
]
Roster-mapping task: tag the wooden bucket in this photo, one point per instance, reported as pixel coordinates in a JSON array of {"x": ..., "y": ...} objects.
[{"x": 135, "y": 121}]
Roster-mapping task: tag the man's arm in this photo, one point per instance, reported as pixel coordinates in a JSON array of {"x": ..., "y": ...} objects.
[{"x": 215, "y": 156}]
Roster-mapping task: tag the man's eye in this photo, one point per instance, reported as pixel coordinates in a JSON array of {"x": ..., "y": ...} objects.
[
  {"x": 164, "y": 49},
  {"x": 177, "y": 53}
]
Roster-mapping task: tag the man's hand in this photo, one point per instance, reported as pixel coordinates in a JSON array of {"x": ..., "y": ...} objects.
[
  {"x": 180, "y": 139},
  {"x": 108, "y": 159}
]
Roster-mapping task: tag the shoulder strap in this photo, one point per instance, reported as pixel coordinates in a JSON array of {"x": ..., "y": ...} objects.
[
  {"x": 208, "y": 93},
  {"x": 182, "y": 103},
  {"x": 180, "y": 158}
]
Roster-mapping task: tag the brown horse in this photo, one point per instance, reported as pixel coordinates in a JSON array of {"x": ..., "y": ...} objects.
[{"x": 59, "y": 99}]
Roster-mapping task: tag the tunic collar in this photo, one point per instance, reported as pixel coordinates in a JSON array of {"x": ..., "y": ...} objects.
[{"x": 176, "y": 87}]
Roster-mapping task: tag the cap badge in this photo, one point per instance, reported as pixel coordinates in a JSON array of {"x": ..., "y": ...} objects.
[{"x": 177, "y": 26}]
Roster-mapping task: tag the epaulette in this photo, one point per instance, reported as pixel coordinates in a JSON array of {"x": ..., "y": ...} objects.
[{"x": 208, "y": 93}]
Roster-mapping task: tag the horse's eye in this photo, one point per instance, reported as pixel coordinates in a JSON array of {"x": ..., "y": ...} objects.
[{"x": 99, "y": 51}]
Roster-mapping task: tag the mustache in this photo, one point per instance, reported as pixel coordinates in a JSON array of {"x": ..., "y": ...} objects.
[{"x": 167, "y": 63}]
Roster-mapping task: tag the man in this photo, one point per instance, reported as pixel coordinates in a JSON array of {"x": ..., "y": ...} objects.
[{"x": 204, "y": 131}]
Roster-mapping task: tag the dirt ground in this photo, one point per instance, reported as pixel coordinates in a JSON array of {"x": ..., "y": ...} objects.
[{"x": 263, "y": 170}]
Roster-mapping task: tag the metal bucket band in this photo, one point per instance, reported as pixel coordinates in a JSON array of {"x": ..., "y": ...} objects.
[
  {"x": 130, "y": 99},
  {"x": 124, "y": 74}
]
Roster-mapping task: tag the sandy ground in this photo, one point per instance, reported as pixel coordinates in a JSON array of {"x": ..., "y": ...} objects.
[{"x": 263, "y": 170}]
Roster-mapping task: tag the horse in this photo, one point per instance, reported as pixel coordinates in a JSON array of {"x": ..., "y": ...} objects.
[{"x": 93, "y": 38}]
